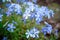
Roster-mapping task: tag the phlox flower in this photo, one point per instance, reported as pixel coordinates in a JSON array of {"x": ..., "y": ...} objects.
[
  {"x": 32, "y": 33},
  {"x": 11, "y": 27},
  {"x": 47, "y": 29}
]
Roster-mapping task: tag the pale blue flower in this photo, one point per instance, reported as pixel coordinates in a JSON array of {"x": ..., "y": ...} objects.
[
  {"x": 38, "y": 20},
  {"x": 32, "y": 33},
  {"x": 44, "y": 30},
  {"x": 47, "y": 14},
  {"x": 47, "y": 29},
  {"x": 26, "y": 14},
  {"x": 39, "y": 16},
  {"x": 32, "y": 16},
  {"x": 11, "y": 27},
  {"x": 51, "y": 13}
]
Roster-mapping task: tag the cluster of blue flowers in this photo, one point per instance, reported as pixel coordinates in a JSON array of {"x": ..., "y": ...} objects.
[
  {"x": 32, "y": 11},
  {"x": 14, "y": 8},
  {"x": 37, "y": 13},
  {"x": 34, "y": 32}
]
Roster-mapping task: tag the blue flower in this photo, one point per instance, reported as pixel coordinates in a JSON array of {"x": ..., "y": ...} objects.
[
  {"x": 11, "y": 27},
  {"x": 44, "y": 30},
  {"x": 26, "y": 14},
  {"x": 47, "y": 29},
  {"x": 38, "y": 20},
  {"x": 1, "y": 17},
  {"x": 32, "y": 33},
  {"x": 32, "y": 16},
  {"x": 39, "y": 17},
  {"x": 47, "y": 14},
  {"x": 51, "y": 13}
]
